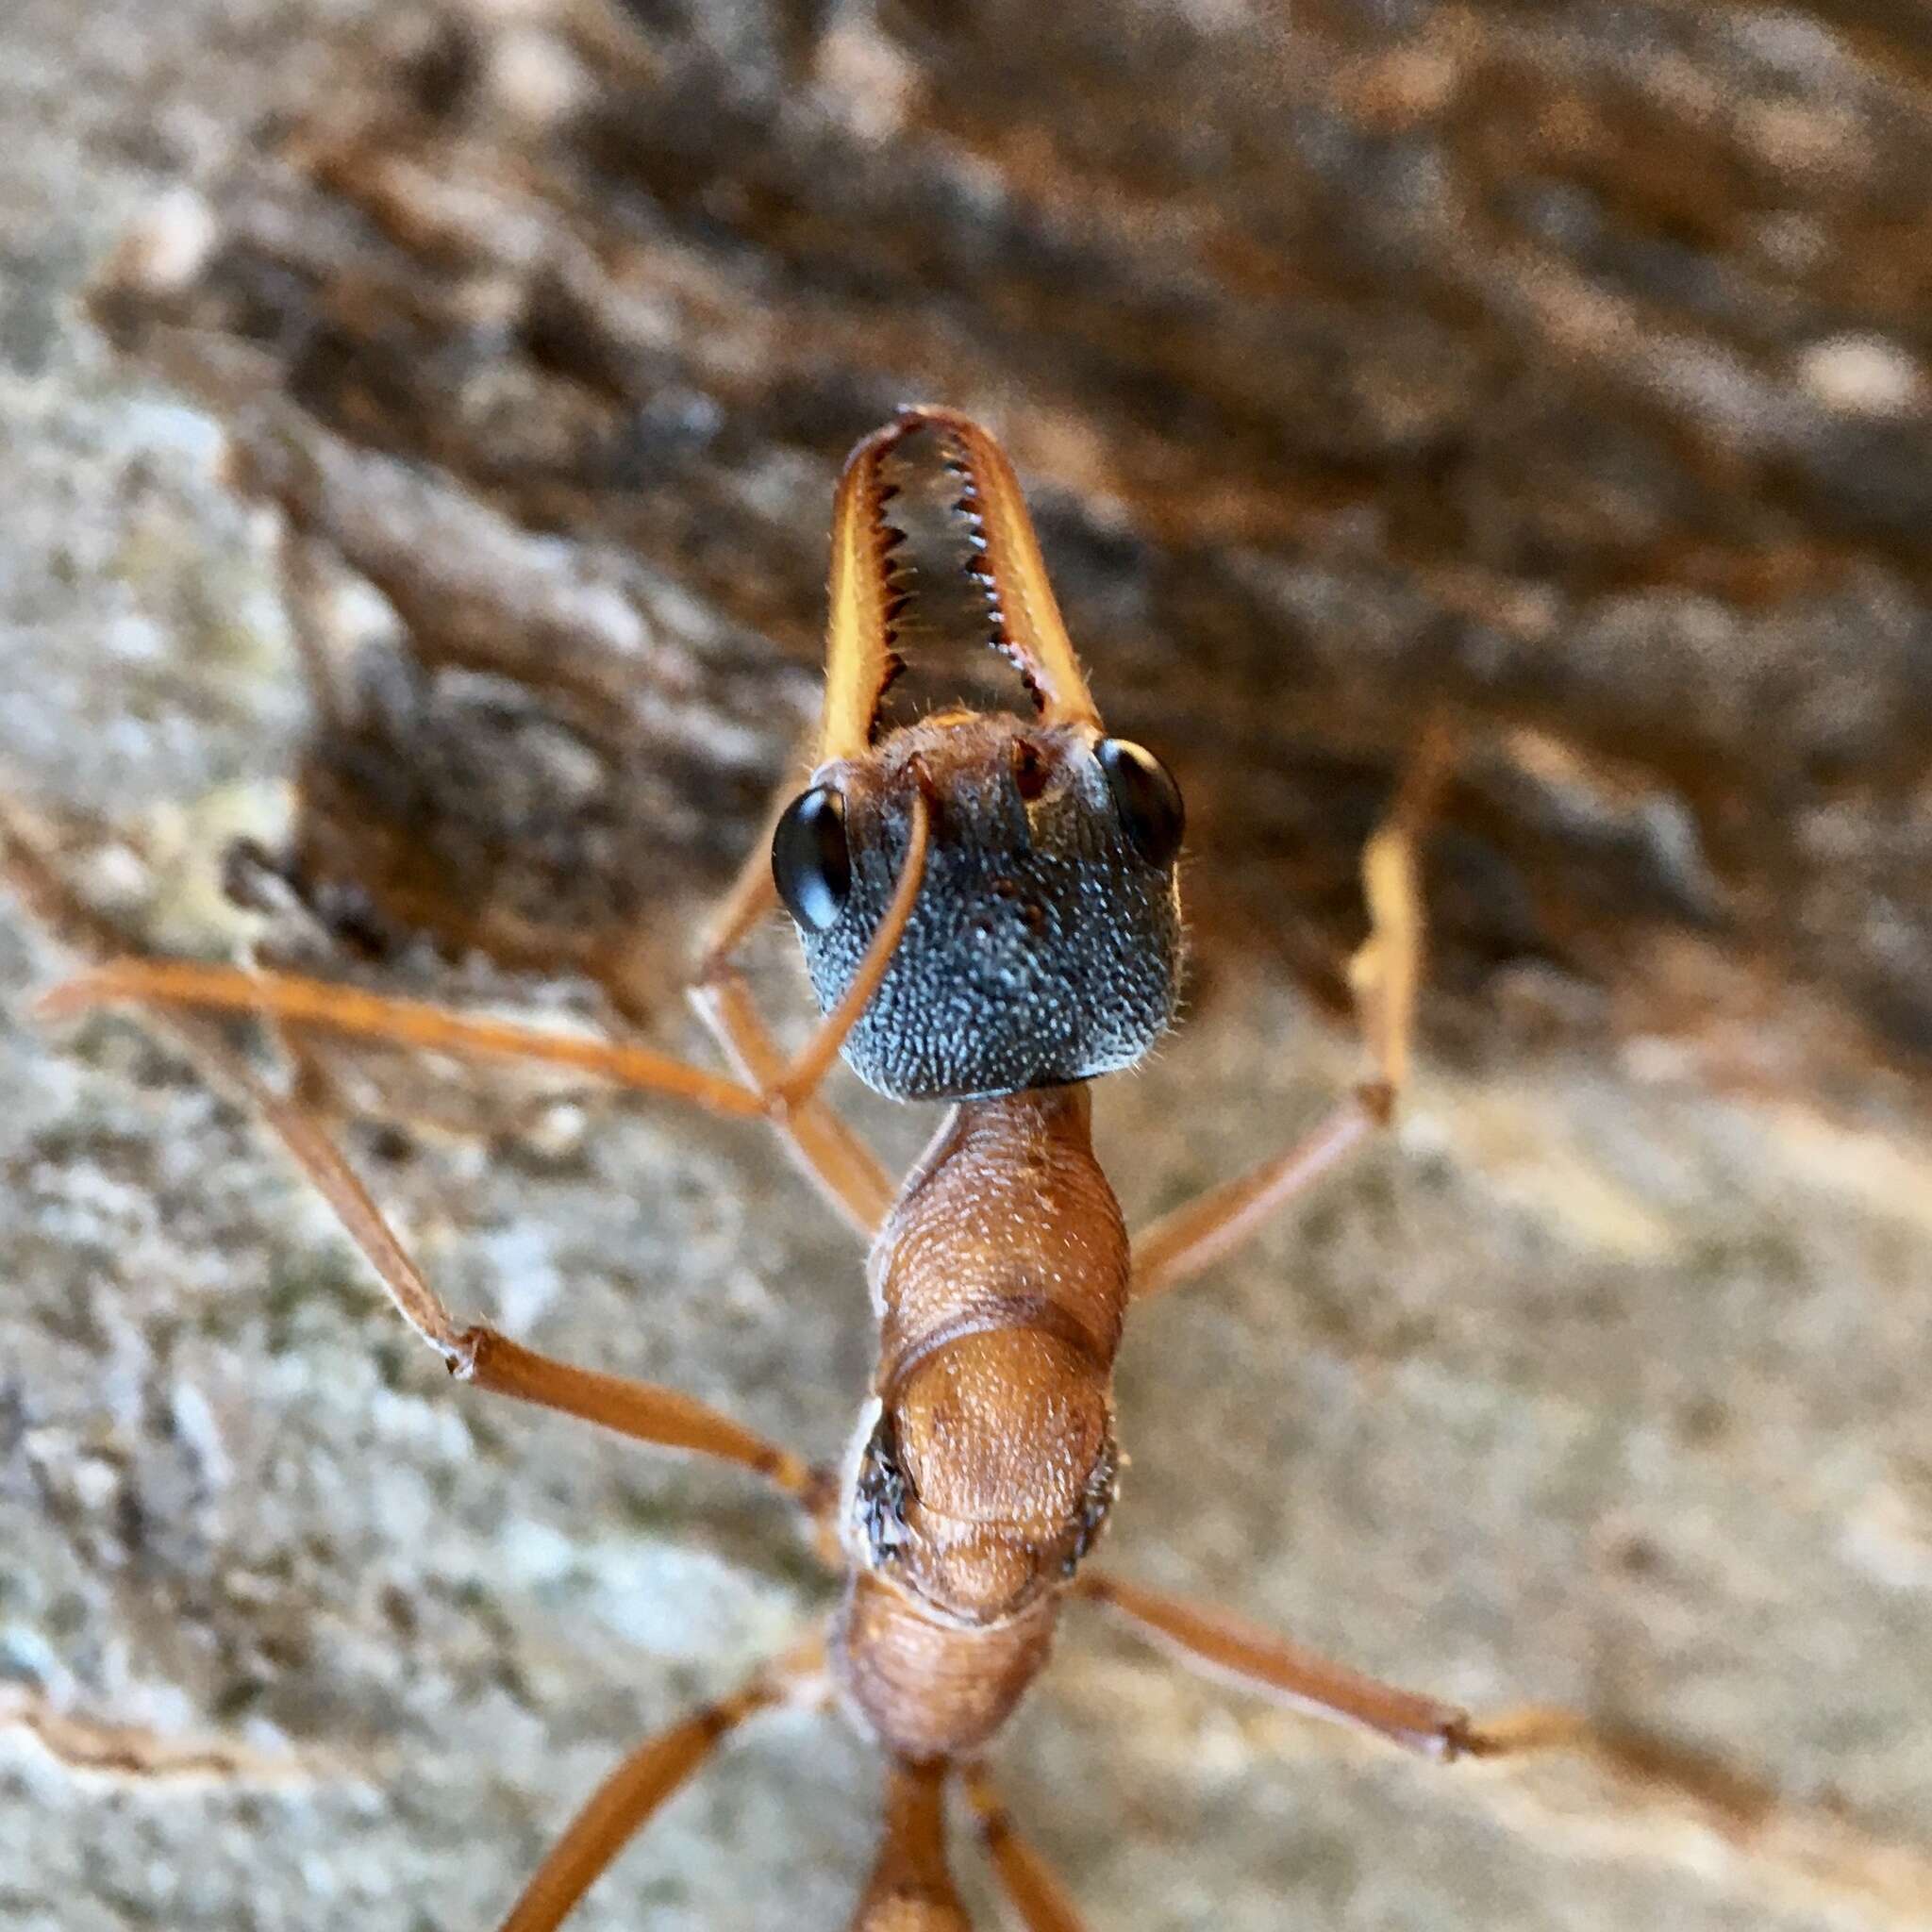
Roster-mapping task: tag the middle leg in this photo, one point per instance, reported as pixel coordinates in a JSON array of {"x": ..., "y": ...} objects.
[
  {"x": 1229, "y": 1647},
  {"x": 646, "y": 1412}
]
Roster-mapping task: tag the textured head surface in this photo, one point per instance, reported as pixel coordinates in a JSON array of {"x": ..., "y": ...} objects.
[{"x": 1042, "y": 947}]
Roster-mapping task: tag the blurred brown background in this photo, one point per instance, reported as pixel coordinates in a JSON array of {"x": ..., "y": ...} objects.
[{"x": 1564, "y": 367}]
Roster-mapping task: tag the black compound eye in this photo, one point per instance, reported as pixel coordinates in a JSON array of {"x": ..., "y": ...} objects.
[
  {"x": 811, "y": 863},
  {"x": 1146, "y": 797}
]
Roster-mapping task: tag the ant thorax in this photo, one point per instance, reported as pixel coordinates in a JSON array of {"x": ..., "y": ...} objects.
[{"x": 987, "y": 1469}]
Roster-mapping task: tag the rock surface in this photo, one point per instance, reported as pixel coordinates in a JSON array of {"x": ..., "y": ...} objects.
[{"x": 1566, "y": 366}]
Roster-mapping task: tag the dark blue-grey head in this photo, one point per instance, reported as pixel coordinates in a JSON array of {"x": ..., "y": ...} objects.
[{"x": 1044, "y": 944}]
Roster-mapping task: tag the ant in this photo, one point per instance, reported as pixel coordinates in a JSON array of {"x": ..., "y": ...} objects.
[{"x": 989, "y": 909}]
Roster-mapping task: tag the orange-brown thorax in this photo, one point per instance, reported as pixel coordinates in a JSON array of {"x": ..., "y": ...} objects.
[{"x": 1001, "y": 1277}]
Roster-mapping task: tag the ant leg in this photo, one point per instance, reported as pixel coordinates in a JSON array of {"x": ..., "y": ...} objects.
[
  {"x": 626, "y": 1799},
  {"x": 825, "y": 1148},
  {"x": 801, "y": 1079},
  {"x": 1034, "y": 1892},
  {"x": 1227, "y": 1646},
  {"x": 1383, "y": 977},
  {"x": 1196, "y": 1235},
  {"x": 833, "y": 1156},
  {"x": 911, "y": 1888},
  {"x": 35, "y": 880},
  {"x": 293, "y": 998},
  {"x": 644, "y": 1412},
  {"x": 829, "y": 1151}
]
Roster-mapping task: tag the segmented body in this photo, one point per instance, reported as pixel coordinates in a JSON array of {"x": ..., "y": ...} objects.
[{"x": 987, "y": 1464}]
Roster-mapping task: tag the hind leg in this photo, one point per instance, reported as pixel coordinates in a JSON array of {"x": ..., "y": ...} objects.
[
  {"x": 1033, "y": 1891},
  {"x": 620, "y": 1807}
]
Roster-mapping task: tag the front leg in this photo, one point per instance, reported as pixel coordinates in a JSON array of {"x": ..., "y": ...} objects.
[
  {"x": 785, "y": 1093},
  {"x": 829, "y": 1151},
  {"x": 1383, "y": 977}
]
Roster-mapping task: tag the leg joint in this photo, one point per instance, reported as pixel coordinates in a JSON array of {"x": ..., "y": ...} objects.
[{"x": 1378, "y": 1100}]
